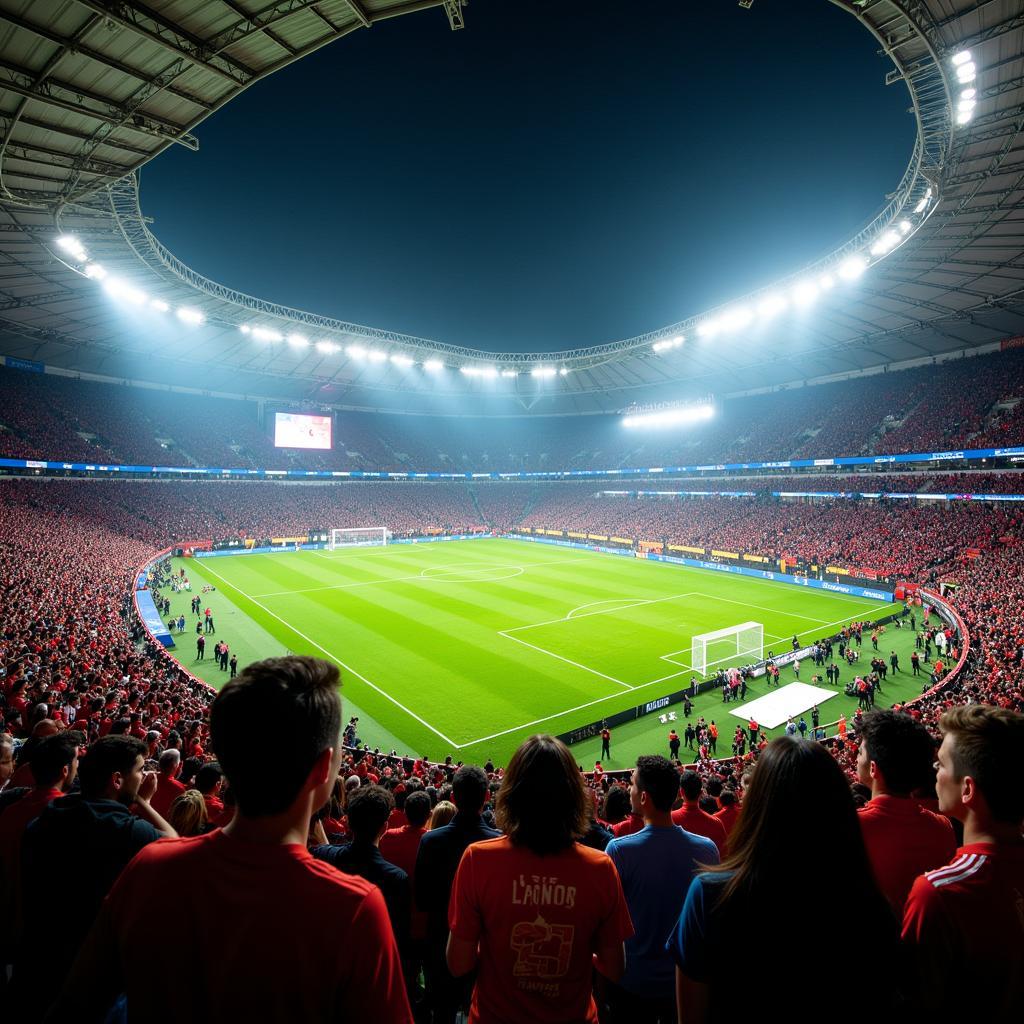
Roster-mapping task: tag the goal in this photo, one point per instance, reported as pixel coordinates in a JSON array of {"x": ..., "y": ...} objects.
[
  {"x": 737, "y": 645},
  {"x": 359, "y": 537}
]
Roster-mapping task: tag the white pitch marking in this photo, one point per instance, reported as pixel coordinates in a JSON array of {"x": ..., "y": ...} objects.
[
  {"x": 336, "y": 659},
  {"x": 568, "y": 661},
  {"x": 637, "y": 603}
]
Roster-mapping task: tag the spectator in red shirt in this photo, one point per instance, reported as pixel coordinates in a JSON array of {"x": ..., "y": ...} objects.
[
  {"x": 693, "y": 819},
  {"x": 903, "y": 839},
  {"x": 209, "y": 780},
  {"x": 963, "y": 922},
  {"x": 730, "y": 812},
  {"x": 254, "y": 885},
  {"x": 167, "y": 787}
]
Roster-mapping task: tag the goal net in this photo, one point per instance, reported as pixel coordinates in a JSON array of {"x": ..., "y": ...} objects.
[
  {"x": 736, "y": 645},
  {"x": 359, "y": 537}
]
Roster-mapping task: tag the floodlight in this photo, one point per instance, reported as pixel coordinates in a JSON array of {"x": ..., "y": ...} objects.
[
  {"x": 805, "y": 292},
  {"x": 961, "y": 58},
  {"x": 771, "y": 305},
  {"x": 376, "y": 356},
  {"x": 245, "y": 329},
  {"x": 327, "y": 347},
  {"x": 510, "y": 373},
  {"x": 433, "y": 365},
  {"x": 905, "y": 226},
  {"x": 159, "y": 305},
  {"x": 968, "y": 94},
  {"x": 266, "y": 334},
  {"x": 735, "y": 319},
  {"x": 73, "y": 246},
  {"x": 966, "y": 73},
  {"x": 121, "y": 290},
  {"x": 399, "y": 360},
  {"x": 298, "y": 341},
  {"x": 967, "y": 104},
  {"x": 543, "y": 372},
  {"x": 708, "y": 329},
  {"x": 564, "y": 371},
  {"x": 190, "y": 316},
  {"x": 852, "y": 267},
  {"x": 95, "y": 271},
  {"x": 670, "y": 417},
  {"x": 356, "y": 352},
  {"x": 963, "y": 116},
  {"x": 885, "y": 242},
  {"x": 826, "y": 281}
]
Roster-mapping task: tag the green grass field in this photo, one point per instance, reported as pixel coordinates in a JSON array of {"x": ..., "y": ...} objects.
[{"x": 467, "y": 647}]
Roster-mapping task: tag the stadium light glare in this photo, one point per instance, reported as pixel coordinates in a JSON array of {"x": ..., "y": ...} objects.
[
  {"x": 771, "y": 306},
  {"x": 267, "y": 334},
  {"x": 190, "y": 316},
  {"x": 967, "y": 104},
  {"x": 886, "y": 242},
  {"x": 670, "y": 417},
  {"x": 122, "y": 290},
  {"x": 95, "y": 271},
  {"x": 399, "y": 360},
  {"x": 73, "y": 247},
  {"x": 708, "y": 329},
  {"x": 966, "y": 73},
  {"x": 826, "y": 281},
  {"x": 564, "y": 371},
  {"x": 905, "y": 227},
  {"x": 356, "y": 352},
  {"x": 510, "y": 373},
  {"x": 852, "y": 267},
  {"x": 245, "y": 329},
  {"x": 736, "y": 319},
  {"x": 963, "y": 116},
  {"x": 433, "y": 365},
  {"x": 298, "y": 341},
  {"x": 667, "y": 344},
  {"x": 968, "y": 94},
  {"x": 961, "y": 58},
  {"x": 159, "y": 305},
  {"x": 376, "y": 356},
  {"x": 543, "y": 372},
  {"x": 805, "y": 293},
  {"x": 327, "y": 347}
]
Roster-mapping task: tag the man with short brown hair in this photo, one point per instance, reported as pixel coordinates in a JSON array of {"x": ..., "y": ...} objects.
[{"x": 964, "y": 923}]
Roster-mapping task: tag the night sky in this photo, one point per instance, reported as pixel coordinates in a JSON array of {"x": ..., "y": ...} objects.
[{"x": 554, "y": 175}]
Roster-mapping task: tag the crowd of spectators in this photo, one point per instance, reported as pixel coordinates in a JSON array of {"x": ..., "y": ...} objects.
[{"x": 956, "y": 404}]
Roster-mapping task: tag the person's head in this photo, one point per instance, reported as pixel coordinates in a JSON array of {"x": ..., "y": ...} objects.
[
  {"x": 654, "y": 786},
  {"x": 417, "y": 808},
  {"x": 169, "y": 762},
  {"x": 300, "y": 696},
  {"x": 773, "y": 852},
  {"x": 368, "y": 812},
  {"x": 112, "y": 769},
  {"x": 188, "y": 813},
  {"x": 980, "y": 773},
  {"x": 690, "y": 784},
  {"x": 542, "y": 803},
  {"x": 6, "y": 757},
  {"x": 443, "y": 812},
  {"x": 209, "y": 779},
  {"x": 469, "y": 789},
  {"x": 896, "y": 754},
  {"x": 54, "y": 761},
  {"x": 617, "y": 804}
]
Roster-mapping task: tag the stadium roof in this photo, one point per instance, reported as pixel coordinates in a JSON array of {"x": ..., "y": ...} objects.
[{"x": 92, "y": 90}]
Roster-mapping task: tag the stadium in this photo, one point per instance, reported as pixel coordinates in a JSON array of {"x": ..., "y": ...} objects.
[{"x": 777, "y": 539}]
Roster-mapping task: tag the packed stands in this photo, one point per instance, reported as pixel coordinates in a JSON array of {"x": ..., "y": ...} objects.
[{"x": 961, "y": 403}]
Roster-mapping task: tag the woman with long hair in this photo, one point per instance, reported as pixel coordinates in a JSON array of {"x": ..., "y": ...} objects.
[
  {"x": 534, "y": 909},
  {"x": 797, "y": 889},
  {"x": 188, "y": 814}
]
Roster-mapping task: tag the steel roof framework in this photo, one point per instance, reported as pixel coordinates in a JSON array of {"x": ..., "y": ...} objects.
[{"x": 92, "y": 90}]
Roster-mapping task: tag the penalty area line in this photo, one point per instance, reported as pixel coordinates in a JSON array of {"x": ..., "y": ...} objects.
[{"x": 336, "y": 660}]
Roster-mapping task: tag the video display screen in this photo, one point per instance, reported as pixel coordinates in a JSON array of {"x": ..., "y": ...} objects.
[{"x": 298, "y": 430}]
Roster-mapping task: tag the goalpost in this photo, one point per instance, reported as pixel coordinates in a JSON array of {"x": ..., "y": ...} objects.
[
  {"x": 358, "y": 537},
  {"x": 737, "y": 644}
]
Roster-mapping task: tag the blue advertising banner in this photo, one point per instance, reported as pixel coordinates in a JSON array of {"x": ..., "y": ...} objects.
[{"x": 151, "y": 617}]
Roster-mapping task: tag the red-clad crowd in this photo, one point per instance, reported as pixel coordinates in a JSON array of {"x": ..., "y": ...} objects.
[{"x": 283, "y": 839}]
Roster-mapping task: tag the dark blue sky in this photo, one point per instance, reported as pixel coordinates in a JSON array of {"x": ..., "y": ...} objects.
[{"x": 554, "y": 175}]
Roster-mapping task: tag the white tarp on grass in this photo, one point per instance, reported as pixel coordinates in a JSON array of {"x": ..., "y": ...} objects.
[{"x": 778, "y": 706}]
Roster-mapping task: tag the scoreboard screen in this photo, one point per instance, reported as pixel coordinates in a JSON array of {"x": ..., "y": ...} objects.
[{"x": 298, "y": 430}]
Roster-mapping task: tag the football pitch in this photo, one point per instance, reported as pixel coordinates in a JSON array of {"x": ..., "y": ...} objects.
[{"x": 467, "y": 647}]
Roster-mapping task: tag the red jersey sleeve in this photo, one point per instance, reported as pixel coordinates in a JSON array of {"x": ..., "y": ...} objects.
[
  {"x": 463, "y": 911},
  {"x": 930, "y": 935}
]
